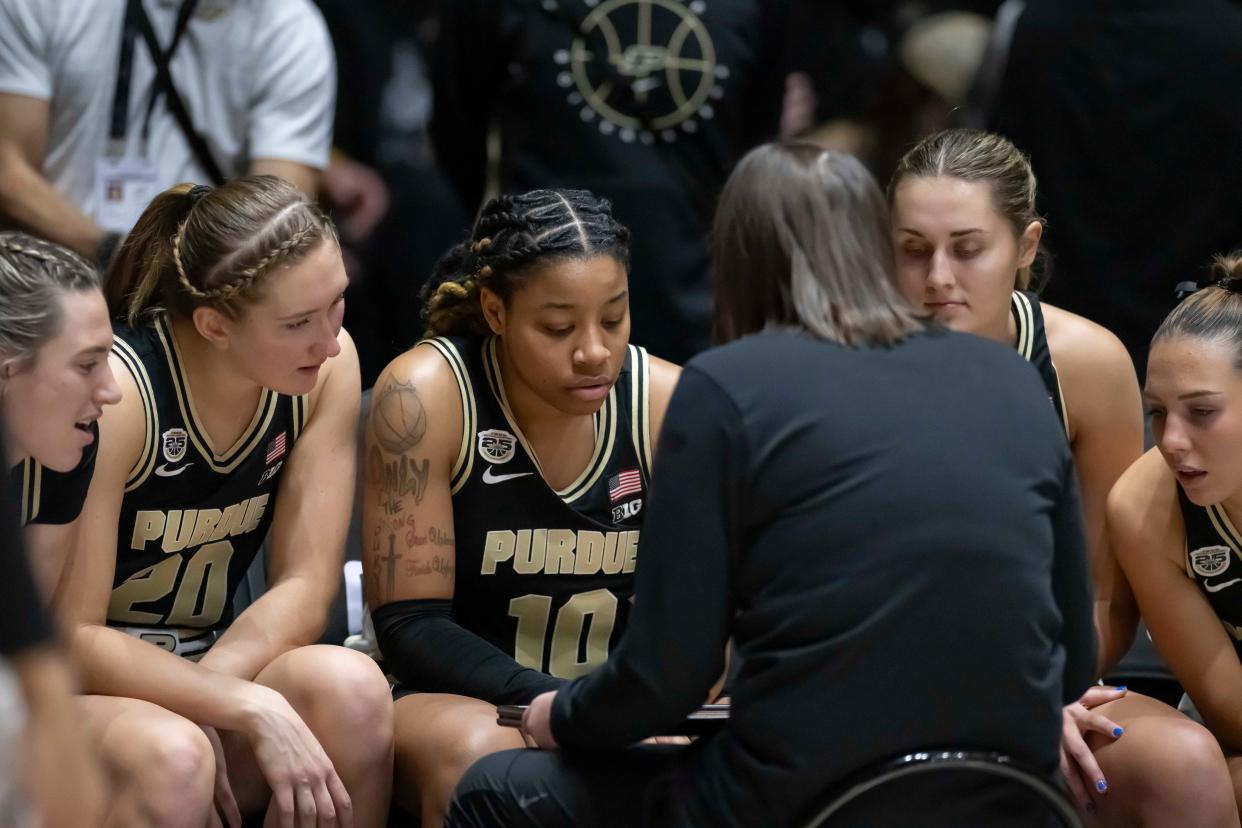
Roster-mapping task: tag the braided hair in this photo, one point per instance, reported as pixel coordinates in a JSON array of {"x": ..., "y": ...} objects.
[
  {"x": 512, "y": 234},
  {"x": 212, "y": 246},
  {"x": 1211, "y": 309},
  {"x": 33, "y": 275}
]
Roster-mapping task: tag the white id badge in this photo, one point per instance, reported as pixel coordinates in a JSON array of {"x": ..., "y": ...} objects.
[{"x": 124, "y": 187}]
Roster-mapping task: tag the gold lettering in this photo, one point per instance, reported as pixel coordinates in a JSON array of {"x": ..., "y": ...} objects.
[
  {"x": 148, "y": 526},
  {"x": 614, "y": 552},
  {"x": 531, "y": 555},
  {"x": 497, "y": 547},
  {"x": 590, "y": 552},
  {"x": 631, "y": 551},
  {"x": 254, "y": 512},
  {"x": 204, "y": 525},
  {"x": 560, "y": 559},
  {"x": 178, "y": 530},
  {"x": 231, "y": 522}
]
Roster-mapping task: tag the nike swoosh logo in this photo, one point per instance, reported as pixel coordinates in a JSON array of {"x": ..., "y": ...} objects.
[
  {"x": 1219, "y": 587},
  {"x": 164, "y": 471},
  {"x": 490, "y": 477}
]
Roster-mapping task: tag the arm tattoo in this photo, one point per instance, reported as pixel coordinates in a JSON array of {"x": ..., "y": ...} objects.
[{"x": 398, "y": 419}]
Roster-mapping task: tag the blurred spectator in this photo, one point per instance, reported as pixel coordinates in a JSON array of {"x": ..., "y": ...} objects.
[
  {"x": 382, "y": 119},
  {"x": 648, "y": 104},
  {"x": 1127, "y": 109},
  {"x": 92, "y": 127}
]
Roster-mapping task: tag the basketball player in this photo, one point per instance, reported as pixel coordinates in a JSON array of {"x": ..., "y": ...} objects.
[
  {"x": 804, "y": 507},
  {"x": 1173, "y": 519},
  {"x": 54, "y": 385},
  {"x": 240, "y": 395},
  {"x": 966, "y": 236},
  {"x": 508, "y": 459}
]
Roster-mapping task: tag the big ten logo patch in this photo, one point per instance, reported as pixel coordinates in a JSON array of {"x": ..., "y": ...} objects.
[
  {"x": 627, "y": 510},
  {"x": 643, "y": 70}
]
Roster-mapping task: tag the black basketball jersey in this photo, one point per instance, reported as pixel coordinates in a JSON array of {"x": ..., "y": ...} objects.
[
  {"x": 1032, "y": 344},
  {"x": 545, "y": 575},
  {"x": 1214, "y": 561},
  {"x": 52, "y": 497},
  {"x": 193, "y": 517}
]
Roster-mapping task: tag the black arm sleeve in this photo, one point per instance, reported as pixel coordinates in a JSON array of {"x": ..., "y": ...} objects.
[
  {"x": 427, "y": 650},
  {"x": 674, "y": 647},
  {"x": 25, "y": 623},
  {"x": 1071, "y": 588}
]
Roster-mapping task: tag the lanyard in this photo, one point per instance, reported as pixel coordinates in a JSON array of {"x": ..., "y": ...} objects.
[{"x": 137, "y": 22}]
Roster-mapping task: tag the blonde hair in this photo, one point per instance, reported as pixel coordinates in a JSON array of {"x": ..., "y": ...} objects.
[
  {"x": 202, "y": 246},
  {"x": 33, "y": 275},
  {"x": 972, "y": 155}
]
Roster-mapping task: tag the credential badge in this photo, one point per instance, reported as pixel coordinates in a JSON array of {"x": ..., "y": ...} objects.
[
  {"x": 174, "y": 444},
  {"x": 496, "y": 445},
  {"x": 1210, "y": 560}
]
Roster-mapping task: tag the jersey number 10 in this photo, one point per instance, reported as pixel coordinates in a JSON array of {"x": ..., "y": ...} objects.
[{"x": 533, "y": 613}]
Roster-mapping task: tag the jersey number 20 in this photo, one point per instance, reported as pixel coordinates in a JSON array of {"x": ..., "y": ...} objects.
[{"x": 209, "y": 566}]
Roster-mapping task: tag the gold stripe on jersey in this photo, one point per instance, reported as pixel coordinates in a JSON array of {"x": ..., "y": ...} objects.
[
  {"x": 640, "y": 407},
  {"x": 146, "y": 393},
  {"x": 605, "y": 427},
  {"x": 464, "y": 463},
  {"x": 1224, "y": 527},
  {"x": 219, "y": 462},
  {"x": 1065, "y": 420},
  {"x": 300, "y": 406},
  {"x": 1025, "y": 316},
  {"x": 32, "y": 489}
]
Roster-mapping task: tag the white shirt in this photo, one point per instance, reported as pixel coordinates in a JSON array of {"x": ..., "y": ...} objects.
[{"x": 258, "y": 78}]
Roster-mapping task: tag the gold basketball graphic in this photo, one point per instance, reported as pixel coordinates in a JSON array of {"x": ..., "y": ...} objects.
[{"x": 646, "y": 68}]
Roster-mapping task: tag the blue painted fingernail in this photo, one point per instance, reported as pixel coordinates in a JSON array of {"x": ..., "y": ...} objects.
[
  {"x": 1120, "y": 688},
  {"x": 1117, "y": 731},
  {"x": 1101, "y": 786}
]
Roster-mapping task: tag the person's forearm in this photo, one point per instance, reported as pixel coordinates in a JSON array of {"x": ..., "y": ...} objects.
[
  {"x": 290, "y": 614},
  {"x": 30, "y": 201},
  {"x": 113, "y": 663}
]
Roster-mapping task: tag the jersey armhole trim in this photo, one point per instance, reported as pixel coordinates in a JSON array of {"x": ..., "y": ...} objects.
[
  {"x": 1024, "y": 316},
  {"x": 640, "y": 407},
  {"x": 464, "y": 464},
  {"x": 146, "y": 460}
]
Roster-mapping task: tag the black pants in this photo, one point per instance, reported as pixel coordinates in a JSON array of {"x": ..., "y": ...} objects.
[
  {"x": 641, "y": 788},
  {"x": 549, "y": 789}
]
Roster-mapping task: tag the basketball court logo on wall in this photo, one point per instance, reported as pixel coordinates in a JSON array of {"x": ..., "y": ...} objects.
[{"x": 645, "y": 70}]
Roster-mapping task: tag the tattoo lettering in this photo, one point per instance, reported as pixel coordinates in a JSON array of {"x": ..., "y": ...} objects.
[
  {"x": 443, "y": 566},
  {"x": 439, "y": 537},
  {"x": 398, "y": 419},
  {"x": 439, "y": 566},
  {"x": 397, "y": 478},
  {"x": 391, "y": 559}
]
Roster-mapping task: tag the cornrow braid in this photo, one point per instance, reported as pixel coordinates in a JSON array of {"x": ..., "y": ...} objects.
[
  {"x": 33, "y": 275},
  {"x": 512, "y": 234},
  {"x": 197, "y": 246}
]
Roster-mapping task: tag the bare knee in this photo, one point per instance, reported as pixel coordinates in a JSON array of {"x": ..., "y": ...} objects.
[
  {"x": 349, "y": 707},
  {"x": 174, "y": 780}
]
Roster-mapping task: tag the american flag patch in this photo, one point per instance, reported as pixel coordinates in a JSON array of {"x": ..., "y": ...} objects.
[
  {"x": 276, "y": 449},
  {"x": 624, "y": 484}
]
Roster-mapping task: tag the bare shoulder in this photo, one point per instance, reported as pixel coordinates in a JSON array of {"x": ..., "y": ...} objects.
[
  {"x": 664, "y": 376},
  {"x": 417, "y": 401},
  {"x": 1080, "y": 345},
  {"x": 1143, "y": 511}
]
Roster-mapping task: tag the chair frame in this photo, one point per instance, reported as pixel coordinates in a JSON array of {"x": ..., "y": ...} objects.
[{"x": 923, "y": 762}]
